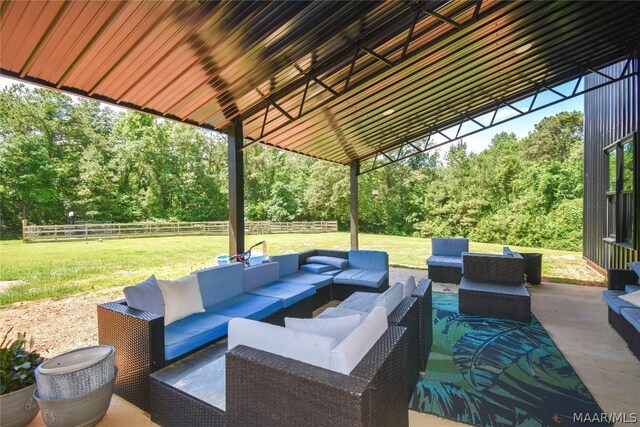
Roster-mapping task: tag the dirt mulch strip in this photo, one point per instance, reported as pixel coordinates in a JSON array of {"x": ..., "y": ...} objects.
[{"x": 58, "y": 325}]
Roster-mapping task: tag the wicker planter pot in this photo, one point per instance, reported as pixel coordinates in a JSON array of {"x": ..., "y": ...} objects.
[{"x": 18, "y": 408}]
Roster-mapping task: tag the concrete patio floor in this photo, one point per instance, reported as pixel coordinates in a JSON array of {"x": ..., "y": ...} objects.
[{"x": 576, "y": 319}]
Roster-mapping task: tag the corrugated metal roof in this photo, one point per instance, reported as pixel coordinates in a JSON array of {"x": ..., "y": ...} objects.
[{"x": 312, "y": 77}]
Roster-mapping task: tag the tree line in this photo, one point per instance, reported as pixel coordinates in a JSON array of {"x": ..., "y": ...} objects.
[{"x": 58, "y": 155}]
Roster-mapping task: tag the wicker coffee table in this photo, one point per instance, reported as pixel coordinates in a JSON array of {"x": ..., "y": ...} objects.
[{"x": 196, "y": 385}]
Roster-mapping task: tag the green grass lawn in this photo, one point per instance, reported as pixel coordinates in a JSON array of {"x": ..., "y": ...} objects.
[{"x": 40, "y": 270}]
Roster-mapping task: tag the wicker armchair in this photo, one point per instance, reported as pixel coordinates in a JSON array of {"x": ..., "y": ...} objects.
[
  {"x": 493, "y": 286},
  {"x": 276, "y": 391},
  {"x": 617, "y": 280},
  {"x": 266, "y": 389}
]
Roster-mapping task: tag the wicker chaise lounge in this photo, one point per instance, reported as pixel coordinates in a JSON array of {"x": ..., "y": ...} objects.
[{"x": 493, "y": 286}]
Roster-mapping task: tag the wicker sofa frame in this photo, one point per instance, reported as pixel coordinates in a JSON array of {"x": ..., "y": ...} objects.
[
  {"x": 617, "y": 280},
  {"x": 498, "y": 269},
  {"x": 278, "y": 391},
  {"x": 423, "y": 294},
  {"x": 445, "y": 274},
  {"x": 337, "y": 292}
]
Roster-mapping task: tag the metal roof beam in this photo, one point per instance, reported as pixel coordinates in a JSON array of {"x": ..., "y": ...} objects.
[
  {"x": 442, "y": 18},
  {"x": 367, "y": 166},
  {"x": 360, "y": 47}
]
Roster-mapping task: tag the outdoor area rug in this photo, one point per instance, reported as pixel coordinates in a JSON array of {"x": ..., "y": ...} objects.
[{"x": 494, "y": 372}]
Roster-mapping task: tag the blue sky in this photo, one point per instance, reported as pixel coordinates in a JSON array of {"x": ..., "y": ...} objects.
[
  {"x": 522, "y": 125},
  {"x": 481, "y": 140}
]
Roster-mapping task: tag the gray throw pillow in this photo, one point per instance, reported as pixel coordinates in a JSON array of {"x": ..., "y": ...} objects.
[
  {"x": 328, "y": 260},
  {"x": 145, "y": 296}
]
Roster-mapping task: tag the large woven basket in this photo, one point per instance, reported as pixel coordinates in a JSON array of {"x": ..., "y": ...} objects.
[{"x": 76, "y": 373}]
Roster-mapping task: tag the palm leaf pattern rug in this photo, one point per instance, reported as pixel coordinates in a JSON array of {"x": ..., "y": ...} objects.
[{"x": 494, "y": 372}]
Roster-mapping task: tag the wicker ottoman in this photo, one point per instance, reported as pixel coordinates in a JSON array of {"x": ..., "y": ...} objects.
[{"x": 503, "y": 301}]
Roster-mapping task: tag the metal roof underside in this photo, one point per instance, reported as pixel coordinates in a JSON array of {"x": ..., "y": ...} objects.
[{"x": 312, "y": 77}]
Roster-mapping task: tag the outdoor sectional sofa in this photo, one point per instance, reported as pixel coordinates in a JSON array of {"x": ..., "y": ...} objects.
[
  {"x": 267, "y": 292},
  {"x": 623, "y": 316}
]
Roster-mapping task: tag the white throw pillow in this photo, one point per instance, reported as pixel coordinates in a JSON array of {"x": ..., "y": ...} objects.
[
  {"x": 390, "y": 298},
  {"x": 409, "y": 286},
  {"x": 633, "y": 298},
  {"x": 346, "y": 355},
  {"x": 335, "y": 327},
  {"x": 309, "y": 348},
  {"x": 181, "y": 298}
]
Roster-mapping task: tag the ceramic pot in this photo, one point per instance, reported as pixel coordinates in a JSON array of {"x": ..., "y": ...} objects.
[
  {"x": 85, "y": 410},
  {"x": 75, "y": 373},
  {"x": 18, "y": 408}
]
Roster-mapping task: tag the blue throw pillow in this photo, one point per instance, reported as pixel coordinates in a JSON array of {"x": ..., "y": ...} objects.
[
  {"x": 635, "y": 266},
  {"x": 328, "y": 260},
  {"x": 146, "y": 296},
  {"x": 317, "y": 268}
]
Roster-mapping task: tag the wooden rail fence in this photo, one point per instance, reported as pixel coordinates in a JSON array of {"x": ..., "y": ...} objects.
[{"x": 45, "y": 233}]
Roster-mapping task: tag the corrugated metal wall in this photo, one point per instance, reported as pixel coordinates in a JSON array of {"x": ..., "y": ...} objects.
[{"x": 611, "y": 113}]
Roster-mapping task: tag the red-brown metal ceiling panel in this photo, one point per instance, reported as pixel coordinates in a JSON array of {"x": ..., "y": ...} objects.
[{"x": 312, "y": 77}]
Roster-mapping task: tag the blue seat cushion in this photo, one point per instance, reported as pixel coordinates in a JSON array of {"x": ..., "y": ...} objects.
[
  {"x": 289, "y": 292},
  {"x": 260, "y": 275},
  {"x": 444, "y": 261},
  {"x": 493, "y": 287},
  {"x": 360, "y": 301},
  {"x": 449, "y": 246},
  {"x": 368, "y": 260},
  {"x": 302, "y": 277},
  {"x": 220, "y": 283},
  {"x": 332, "y": 272},
  {"x": 615, "y": 303},
  {"x": 329, "y": 260},
  {"x": 248, "y": 306},
  {"x": 185, "y": 335},
  {"x": 361, "y": 277},
  {"x": 633, "y": 316},
  {"x": 288, "y": 263},
  {"x": 629, "y": 289},
  {"x": 316, "y": 268}
]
